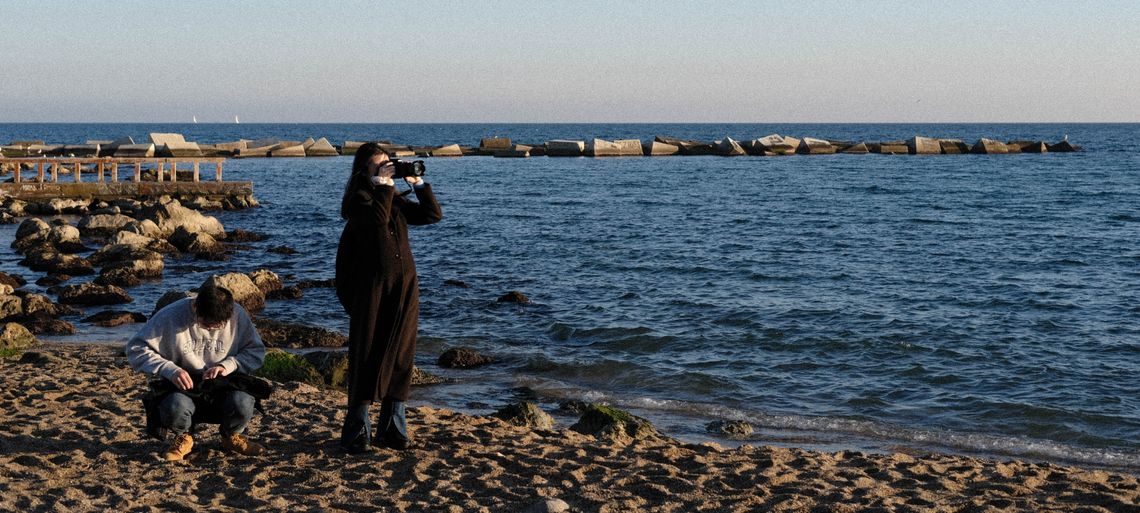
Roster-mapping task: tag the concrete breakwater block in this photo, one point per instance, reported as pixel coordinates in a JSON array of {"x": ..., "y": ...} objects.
[
  {"x": 773, "y": 144},
  {"x": 659, "y": 149},
  {"x": 489, "y": 145},
  {"x": 321, "y": 148},
  {"x": 602, "y": 148},
  {"x": 1029, "y": 146},
  {"x": 350, "y": 147},
  {"x": 1063, "y": 147},
  {"x": 295, "y": 150},
  {"x": 254, "y": 151},
  {"x": 923, "y": 146},
  {"x": 629, "y": 147},
  {"x": 990, "y": 147},
  {"x": 135, "y": 150},
  {"x": 159, "y": 139},
  {"x": 565, "y": 148},
  {"x": 515, "y": 151},
  {"x": 953, "y": 146},
  {"x": 179, "y": 149},
  {"x": 811, "y": 146},
  {"x": 451, "y": 150},
  {"x": 81, "y": 150},
  {"x": 728, "y": 147},
  {"x": 890, "y": 148},
  {"x": 856, "y": 149}
]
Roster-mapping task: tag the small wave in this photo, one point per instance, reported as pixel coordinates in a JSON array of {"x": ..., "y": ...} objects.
[{"x": 1125, "y": 217}]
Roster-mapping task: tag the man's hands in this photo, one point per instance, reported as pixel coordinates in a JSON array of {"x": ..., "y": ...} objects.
[
  {"x": 183, "y": 381},
  {"x": 214, "y": 372}
]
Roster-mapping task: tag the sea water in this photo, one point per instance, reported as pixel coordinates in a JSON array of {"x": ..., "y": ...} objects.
[{"x": 979, "y": 304}]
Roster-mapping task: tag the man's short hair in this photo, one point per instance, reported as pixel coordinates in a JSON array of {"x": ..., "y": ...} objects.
[{"x": 214, "y": 304}]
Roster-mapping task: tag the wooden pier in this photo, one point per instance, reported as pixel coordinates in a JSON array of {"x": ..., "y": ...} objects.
[{"x": 43, "y": 181}]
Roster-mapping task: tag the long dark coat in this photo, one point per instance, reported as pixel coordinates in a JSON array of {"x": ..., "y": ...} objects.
[{"x": 377, "y": 285}]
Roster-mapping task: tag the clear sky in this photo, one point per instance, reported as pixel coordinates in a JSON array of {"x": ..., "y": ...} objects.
[{"x": 585, "y": 61}]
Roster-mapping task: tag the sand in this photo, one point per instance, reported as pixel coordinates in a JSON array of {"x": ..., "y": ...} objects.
[{"x": 71, "y": 439}]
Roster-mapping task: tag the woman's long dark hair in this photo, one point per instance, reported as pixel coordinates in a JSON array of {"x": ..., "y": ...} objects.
[{"x": 359, "y": 177}]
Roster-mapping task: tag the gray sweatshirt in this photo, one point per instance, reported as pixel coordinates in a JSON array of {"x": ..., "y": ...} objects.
[{"x": 172, "y": 339}]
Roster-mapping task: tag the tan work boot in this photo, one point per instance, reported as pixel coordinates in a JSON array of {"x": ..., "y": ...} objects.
[
  {"x": 237, "y": 443},
  {"x": 179, "y": 447}
]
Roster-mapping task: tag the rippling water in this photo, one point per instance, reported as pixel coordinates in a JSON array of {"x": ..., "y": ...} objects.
[{"x": 978, "y": 304}]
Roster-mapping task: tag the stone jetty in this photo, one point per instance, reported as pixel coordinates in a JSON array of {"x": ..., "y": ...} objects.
[{"x": 175, "y": 145}]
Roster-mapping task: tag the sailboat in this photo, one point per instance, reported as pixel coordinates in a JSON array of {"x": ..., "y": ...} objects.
[
  {"x": 236, "y": 120},
  {"x": 195, "y": 119}
]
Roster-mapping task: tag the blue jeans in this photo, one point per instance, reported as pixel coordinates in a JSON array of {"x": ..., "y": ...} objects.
[
  {"x": 177, "y": 412},
  {"x": 357, "y": 430}
]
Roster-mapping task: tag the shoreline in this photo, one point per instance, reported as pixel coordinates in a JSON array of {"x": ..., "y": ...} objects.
[{"x": 75, "y": 440}]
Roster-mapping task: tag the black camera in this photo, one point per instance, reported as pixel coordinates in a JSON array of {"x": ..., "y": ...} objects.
[{"x": 405, "y": 169}]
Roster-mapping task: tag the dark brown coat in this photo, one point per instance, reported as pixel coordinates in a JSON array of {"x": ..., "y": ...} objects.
[{"x": 377, "y": 285}]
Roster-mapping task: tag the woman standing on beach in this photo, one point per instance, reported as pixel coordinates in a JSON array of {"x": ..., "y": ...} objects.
[{"x": 376, "y": 283}]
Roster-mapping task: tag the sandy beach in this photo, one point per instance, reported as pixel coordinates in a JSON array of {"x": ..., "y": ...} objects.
[{"x": 71, "y": 439}]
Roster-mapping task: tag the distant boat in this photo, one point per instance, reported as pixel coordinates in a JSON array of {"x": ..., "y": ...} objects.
[
  {"x": 195, "y": 118},
  {"x": 236, "y": 120}
]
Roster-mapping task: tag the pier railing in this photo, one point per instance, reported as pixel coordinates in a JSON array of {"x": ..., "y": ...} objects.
[{"x": 104, "y": 166}]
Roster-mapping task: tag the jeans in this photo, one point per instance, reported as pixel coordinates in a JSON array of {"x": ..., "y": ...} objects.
[
  {"x": 177, "y": 412},
  {"x": 357, "y": 430}
]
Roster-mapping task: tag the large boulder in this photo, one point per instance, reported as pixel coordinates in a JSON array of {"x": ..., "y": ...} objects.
[
  {"x": 198, "y": 243},
  {"x": 266, "y": 280},
  {"x": 953, "y": 146},
  {"x": 989, "y": 146},
  {"x": 610, "y": 423},
  {"x": 56, "y": 206},
  {"x": 728, "y": 147},
  {"x": 12, "y": 280},
  {"x": 39, "y": 304},
  {"x": 104, "y": 225},
  {"x": 46, "y": 325},
  {"x": 602, "y": 148},
  {"x": 179, "y": 149},
  {"x": 170, "y": 215},
  {"x": 66, "y": 238},
  {"x": 14, "y": 337},
  {"x": 48, "y": 259},
  {"x": 525, "y": 414},
  {"x": 134, "y": 150},
  {"x": 91, "y": 294},
  {"x": 857, "y": 149},
  {"x": 777, "y": 144},
  {"x": 169, "y": 297},
  {"x": 291, "y": 335},
  {"x": 629, "y": 147},
  {"x": 137, "y": 241},
  {"x": 112, "y": 318},
  {"x": 145, "y": 227},
  {"x": 31, "y": 231},
  {"x": 564, "y": 148},
  {"x": 923, "y": 146},
  {"x": 333, "y": 368},
  {"x": 655, "y": 149},
  {"x": 463, "y": 358},
  {"x": 244, "y": 290},
  {"x": 11, "y": 306},
  {"x": 810, "y": 146},
  {"x": 322, "y": 148}
]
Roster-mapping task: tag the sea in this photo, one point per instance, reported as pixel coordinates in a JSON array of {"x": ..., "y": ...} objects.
[{"x": 972, "y": 304}]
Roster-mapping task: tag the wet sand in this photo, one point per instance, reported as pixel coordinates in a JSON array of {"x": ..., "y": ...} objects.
[{"x": 72, "y": 439}]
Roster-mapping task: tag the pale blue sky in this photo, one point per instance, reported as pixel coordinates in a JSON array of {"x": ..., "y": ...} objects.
[{"x": 500, "y": 61}]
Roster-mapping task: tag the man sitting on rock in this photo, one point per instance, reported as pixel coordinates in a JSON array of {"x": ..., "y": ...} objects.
[{"x": 204, "y": 349}]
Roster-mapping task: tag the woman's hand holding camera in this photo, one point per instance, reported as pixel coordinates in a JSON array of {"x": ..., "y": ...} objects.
[
  {"x": 382, "y": 180},
  {"x": 414, "y": 181}
]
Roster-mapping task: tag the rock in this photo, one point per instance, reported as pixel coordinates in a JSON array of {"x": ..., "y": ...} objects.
[
  {"x": 629, "y": 147},
  {"x": 697, "y": 148},
  {"x": 63, "y": 206},
  {"x": 14, "y": 337},
  {"x": 732, "y": 428},
  {"x": 610, "y": 423},
  {"x": 810, "y": 146},
  {"x": 134, "y": 240},
  {"x": 112, "y": 318},
  {"x": 178, "y": 150},
  {"x": 513, "y": 296},
  {"x": 657, "y": 149},
  {"x": 30, "y": 231},
  {"x": 1028, "y": 146},
  {"x": 953, "y": 146},
  {"x": 17, "y": 208},
  {"x": 6, "y": 289},
  {"x": 51, "y": 261},
  {"x": 149, "y": 267},
  {"x": 12, "y": 280},
  {"x": 516, "y": 151},
  {"x": 52, "y": 280},
  {"x": 266, "y": 280},
  {"x": 239, "y": 202},
  {"x": 290, "y": 292},
  {"x": 549, "y": 506},
  {"x": 525, "y": 414},
  {"x": 145, "y": 227},
  {"x": 159, "y": 139},
  {"x": 923, "y": 146},
  {"x": 283, "y": 250},
  {"x": 66, "y": 239},
  {"x": 240, "y": 235},
  {"x": 45, "y": 325},
  {"x": 728, "y": 147},
  {"x": 6, "y": 218},
  {"x": 317, "y": 284},
  {"x": 495, "y": 143},
  {"x": 119, "y": 278},
  {"x": 91, "y": 294},
  {"x": 11, "y": 306},
  {"x": 296, "y": 336},
  {"x": 39, "y": 304},
  {"x": 463, "y": 358},
  {"x": 112, "y": 253},
  {"x": 288, "y": 151},
  {"x": 777, "y": 144},
  {"x": 196, "y": 242},
  {"x": 421, "y": 378},
  {"x": 106, "y": 211},
  {"x": 350, "y": 147},
  {"x": 573, "y": 406},
  {"x": 989, "y": 146},
  {"x": 602, "y": 148},
  {"x": 281, "y": 366},
  {"x": 203, "y": 203},
  {"x": 171, "y": 215},
  {"x": 856, "y": 149},
  {"x": 169, "y": 297},
  {"x": 1063, "y": 147},
  {"x": 457, "y": 283},
  {"x": 564, "y": 148},
  {"x": 890, "y": 148},
  {"x": 332, "y": 366},
  {"x": 451, "y": 150},
  {"x": 245, "y": 292},
  {"x": 38, "y": 359}
]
